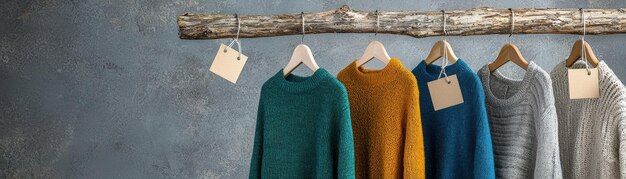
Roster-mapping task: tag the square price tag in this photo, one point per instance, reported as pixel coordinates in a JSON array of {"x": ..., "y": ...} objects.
[
  {"x": 444, "y": 94},
  {"x": 226, "y": 64},
  {"x": 583, "y": 84}
]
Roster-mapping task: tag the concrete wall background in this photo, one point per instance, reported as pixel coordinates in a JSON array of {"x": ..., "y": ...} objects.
[{"x": 105, "y": 89}]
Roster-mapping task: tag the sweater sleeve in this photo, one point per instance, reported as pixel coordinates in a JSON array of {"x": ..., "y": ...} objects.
[
  {"x": 345, "y": 142},
  {"x": 484, "y": 166},
  {"x": 548, "y": 161},
  {"x": 621, "y": 117},
  {"x": 414, "y": 162},
  {"x": 257, "y": 149}
]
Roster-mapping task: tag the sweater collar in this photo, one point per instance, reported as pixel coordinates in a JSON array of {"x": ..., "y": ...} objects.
[
  {"x": 603, "y": 68},
  {"x": 431, "y": 72},
  {"x": 487, "y": 78},
  {"x": 294, "y": 83},
  {"x": 370, "y": 76},
  {"x": 559, "y": 72}
]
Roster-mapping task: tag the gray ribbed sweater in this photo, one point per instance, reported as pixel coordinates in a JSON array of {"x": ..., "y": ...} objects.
[
  {"x": 592, "y": 132},
  {"x": 523, "y": 124}
]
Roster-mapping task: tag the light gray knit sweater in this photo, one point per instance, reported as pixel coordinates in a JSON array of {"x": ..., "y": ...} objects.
[
  {"x": 523, "y": 124},
  {"x": 592, "y": 132}
]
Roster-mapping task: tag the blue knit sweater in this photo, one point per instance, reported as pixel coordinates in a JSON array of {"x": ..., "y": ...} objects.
[
  {"x": 457, "y": 142},
  {"x": 303, "y": 129}
]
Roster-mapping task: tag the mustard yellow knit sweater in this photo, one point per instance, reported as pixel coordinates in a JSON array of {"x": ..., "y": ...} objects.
[{"x": 385, "y": 112}]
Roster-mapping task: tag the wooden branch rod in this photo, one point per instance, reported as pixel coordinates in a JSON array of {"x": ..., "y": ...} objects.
[{"x": 476, "y": 21}]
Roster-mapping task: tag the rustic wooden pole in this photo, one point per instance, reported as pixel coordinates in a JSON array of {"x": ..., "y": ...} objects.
[{"x": 477, "y": 21}]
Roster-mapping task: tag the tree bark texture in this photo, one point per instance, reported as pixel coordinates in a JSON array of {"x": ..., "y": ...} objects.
[{"x": 476, "y": 21}]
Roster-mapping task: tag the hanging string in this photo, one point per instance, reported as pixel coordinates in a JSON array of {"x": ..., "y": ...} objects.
[
  {"x": 236, "y": 39},
  {"x": 582, "y": 49},
  {"x": 238, "y": 26},
  {"x": 444, "y": 63}
]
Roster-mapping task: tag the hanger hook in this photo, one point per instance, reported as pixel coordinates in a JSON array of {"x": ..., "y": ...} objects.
[
  {"x": 582, "y": 46},
  {"x": 582, "y": 14},
  {"x": 444, "y": 62},
  {"x": 377, "y": 23},
  {"x": 512, "y": 24},
  {"x": 445, "y": 33},
  {"x": 302, "y": 39}
]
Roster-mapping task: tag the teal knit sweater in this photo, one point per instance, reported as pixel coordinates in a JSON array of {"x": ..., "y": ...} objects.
[{"x": 303, "y": 129}]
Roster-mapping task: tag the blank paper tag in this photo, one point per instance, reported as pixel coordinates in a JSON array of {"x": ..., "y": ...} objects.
[
  {"x": 226, "y": 64},
  {"x": 583, "y": 85},
  {"x": 444, "y": 94}
]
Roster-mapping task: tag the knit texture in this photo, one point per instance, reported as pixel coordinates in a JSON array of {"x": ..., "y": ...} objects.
[
  {"x": 523, "y": 124},
  {"x": 303, "y": 129},
  {"x": 385, "y": 121},
  {"x": 592, "y": 132},
  {"x": 457, "y": 143}
]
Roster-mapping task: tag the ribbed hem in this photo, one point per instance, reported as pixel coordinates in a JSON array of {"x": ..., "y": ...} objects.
[
  {"x": 369, "y": 76},
  {"x": 297, "y": 84},
  {"x": 487, "y": 77},
  {"x": 431, "y": 72}
]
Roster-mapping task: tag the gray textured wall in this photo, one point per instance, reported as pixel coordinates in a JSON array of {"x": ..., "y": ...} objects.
[{"x": 105, "y": 89}]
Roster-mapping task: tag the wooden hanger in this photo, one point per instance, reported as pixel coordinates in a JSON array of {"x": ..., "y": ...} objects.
[
  {"x": 438, "y": 51},
  {"x": 580, "y": 47},
  {"x": 301, "y": 55},
  {"x": 577, "y": 52},
  {"x": 374, "y": 50},
  {"x": 509, "y": 52}
]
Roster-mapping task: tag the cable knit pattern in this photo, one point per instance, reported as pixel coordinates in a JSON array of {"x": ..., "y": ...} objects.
[
  {"x": 592, "y": 132},
  {"x": 385, "y": 120},
  {"x": 523, "y": 124},
  {"x": 303, "y": 129},
  {"x": 457, "y": 142}
]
